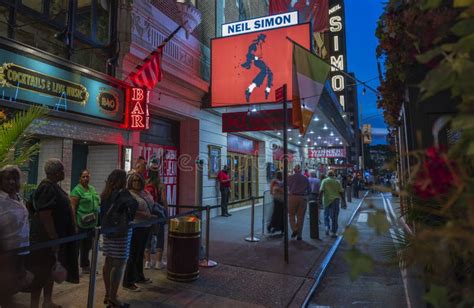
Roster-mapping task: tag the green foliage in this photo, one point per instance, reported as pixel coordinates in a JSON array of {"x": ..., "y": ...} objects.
[
  {"x": 437, "y": 296},
  {"x": 351, "y": 235},
  {"x": 359, "y": 262},
  {"x": 428, "y": 45},
  {"x": 16, "y": 146},
  {"x": 379, "y": 222}
]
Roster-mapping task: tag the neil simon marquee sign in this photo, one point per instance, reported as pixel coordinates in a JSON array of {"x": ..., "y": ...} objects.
[
  {"x": 29, "y": 76},
  {"x": 260, "y": 24}
]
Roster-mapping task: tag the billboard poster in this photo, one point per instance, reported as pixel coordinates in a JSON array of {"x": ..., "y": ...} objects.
[
  {"x": 247, "y": 68},
  {"x": 167, "y": 157},
  {"x": 327, "y": 153}
]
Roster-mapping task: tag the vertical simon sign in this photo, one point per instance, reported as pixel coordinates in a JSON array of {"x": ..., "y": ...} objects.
[
  {"x": 337, "y": 49},
  {"x": 138, "y": 114}
]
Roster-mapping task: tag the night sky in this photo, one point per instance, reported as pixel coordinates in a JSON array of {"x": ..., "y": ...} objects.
[{"x": 361, "y": 22}]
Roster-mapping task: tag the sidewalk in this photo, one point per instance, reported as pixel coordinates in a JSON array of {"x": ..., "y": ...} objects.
[{"x": 248, "y": 274}]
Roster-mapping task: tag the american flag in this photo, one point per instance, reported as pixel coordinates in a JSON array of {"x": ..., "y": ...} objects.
[{"x": 149, "y": 74}]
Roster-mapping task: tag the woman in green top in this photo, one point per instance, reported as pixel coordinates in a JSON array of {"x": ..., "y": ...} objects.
[{"x": 85, "y": 206}]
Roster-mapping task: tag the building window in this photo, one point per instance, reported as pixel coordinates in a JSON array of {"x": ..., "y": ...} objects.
[{"x": 36, "y": 5}]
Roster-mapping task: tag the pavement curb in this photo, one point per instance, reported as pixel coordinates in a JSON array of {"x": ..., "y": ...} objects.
[{"x": 319, "y": 274}]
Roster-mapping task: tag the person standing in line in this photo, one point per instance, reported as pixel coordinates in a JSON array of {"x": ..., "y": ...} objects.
[
  {"x": 349, "y": 187},
  {"x": 276, "y": 189},
  {"x": 224, "y": 187},
  {"x": 156, "y": 239},
  {"x": 306, "y": 173},
  {"x": 52, "y": 219},
  {"x": 134, "y": 270},
  {"x": 85, "y": 208},
  {"x": 298, "y": 188},
  {"x": 14, "y": 233},
  {"x": 331, "y": 194},
  {"x": 117, "y": 205},
  {"x": 315, "y": 185}
]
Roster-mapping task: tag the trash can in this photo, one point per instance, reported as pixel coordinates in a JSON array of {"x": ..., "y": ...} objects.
[
  {"x": 313, "y": 219},
  {"x": 183, "y": 248}
]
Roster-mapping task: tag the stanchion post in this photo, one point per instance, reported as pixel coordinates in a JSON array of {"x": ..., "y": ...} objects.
[
  {"x": 252, "y": 238},
  {"x": 206, "y": 262},
  {"x": 92, "y": 276}
]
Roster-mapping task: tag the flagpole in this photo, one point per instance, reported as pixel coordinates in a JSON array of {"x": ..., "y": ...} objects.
[
  {"x": 337, "y": 68},
  {"x": 161, "y": 46}
]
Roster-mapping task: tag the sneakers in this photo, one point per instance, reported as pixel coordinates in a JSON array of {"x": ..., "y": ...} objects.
[
  {"x": 161, "y": 265},
  {"x": 145, "y": 281},
  {"x": 147, "y": 265},
  {"x": 132, "y": 288},
  {"x": 333, "y": 234}
]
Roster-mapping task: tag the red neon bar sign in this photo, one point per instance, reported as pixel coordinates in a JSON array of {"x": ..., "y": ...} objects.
[{"x": 138, "y": 115}]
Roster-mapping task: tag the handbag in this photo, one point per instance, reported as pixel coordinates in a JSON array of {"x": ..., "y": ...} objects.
[
  {"x": 88, "y": 219},
  {"x": 58, "y": 272},
  {"x": 118, "y": 220},
  {"x": 159, "y": 210}
]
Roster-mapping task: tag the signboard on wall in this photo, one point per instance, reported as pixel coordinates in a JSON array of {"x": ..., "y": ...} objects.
[
  {"x": 337, "y": 49},
  {"x": 254, "y": 121},
  {"x": 138, "y": 116},
  {"x": 260, "y": 23},
  {"x": 167, "y": 157},
  {"x": 31, "y": 77},
  {"x": 247, "y": 68},
  {"x": 327, "y": 153}
]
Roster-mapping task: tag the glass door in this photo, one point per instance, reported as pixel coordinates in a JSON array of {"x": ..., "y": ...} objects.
[{"x": 244, "y": 175}]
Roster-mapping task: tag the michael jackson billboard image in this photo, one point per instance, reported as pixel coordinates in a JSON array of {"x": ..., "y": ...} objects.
[{"x": 246, "y": 68}]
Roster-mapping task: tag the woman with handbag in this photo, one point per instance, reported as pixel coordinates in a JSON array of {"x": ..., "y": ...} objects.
[
  {"x": 156, "y": 239},
  {"x": 118, "y": 209},
  {"x": 134, "y": 269},
  {"x": 85, "y": 209},
  {"x": 52, "y": 219}
]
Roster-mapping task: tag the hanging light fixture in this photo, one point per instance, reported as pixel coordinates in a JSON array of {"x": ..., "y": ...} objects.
[
  {"x": 319, "y": 137},
  {"x": 311, "y": 132},
  {"x": 316, "y": 119},
  {"x": 325, "y": 127},
  {"x": 331, "y": 134}
]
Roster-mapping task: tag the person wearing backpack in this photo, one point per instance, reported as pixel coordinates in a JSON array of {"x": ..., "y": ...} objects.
[
  {"x": 85, "y": 208},
  {"x": 118, "y": 209}
]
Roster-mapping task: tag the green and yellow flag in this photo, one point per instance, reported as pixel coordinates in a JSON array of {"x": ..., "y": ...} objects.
[{"x": 309, "y": 75}]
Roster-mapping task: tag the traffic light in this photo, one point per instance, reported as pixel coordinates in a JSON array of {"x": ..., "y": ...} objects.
[{"x": 367, "y": 133}]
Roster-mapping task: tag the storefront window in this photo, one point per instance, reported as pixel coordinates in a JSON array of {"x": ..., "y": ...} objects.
[
  {"x": 58, "y": 11},
  {"x": 36, "y": 5},
  {"x": 4, "y": 11},
  {"x": 82, "y": 55},
  {"x": 40, "y": 35},
  {"x": 102, "y": 34},
  {"x": 84, "y": 17}
]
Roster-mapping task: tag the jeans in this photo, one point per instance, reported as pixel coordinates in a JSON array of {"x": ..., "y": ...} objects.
[
  {"x": 332, "y": 211},
  {"x": 134, "y": 268},
  {"x": 224, "y": 200}
]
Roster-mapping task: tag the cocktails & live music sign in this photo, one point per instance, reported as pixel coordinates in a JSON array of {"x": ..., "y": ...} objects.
[{"x": 30, "y": 76}]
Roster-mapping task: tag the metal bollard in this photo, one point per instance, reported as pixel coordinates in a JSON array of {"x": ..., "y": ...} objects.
[
  {"x": 252, "y": 238},
  {"x": 206, "y": 262},
  {"x": 92, "y": 277}
]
